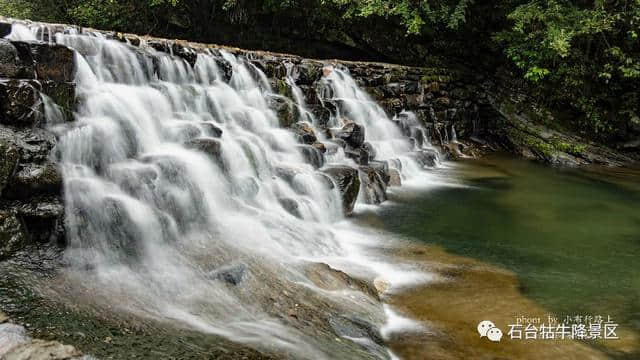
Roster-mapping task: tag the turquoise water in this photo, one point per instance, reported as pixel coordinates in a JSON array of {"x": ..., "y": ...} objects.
[{"x": 572, "y": 236}]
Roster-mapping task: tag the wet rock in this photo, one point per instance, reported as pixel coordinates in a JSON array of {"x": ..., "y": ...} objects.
[
  {"x": 352, "y": 134},
  {"x": 3, "y": 317},
  {"x": 35, "y": 144},
  {"x": 12, "y": 234},
  {"x": 43, "y": 217},
  {"x": 286, "y": 173},
  {"x": 426, "y": 157},
  {"x": 328, "y": 278},
  {"x": 20, "y": 103},
  {"x": 34, "y": 180},
  {"x": 230, "y": 274},
  {"x": 382, "y": 168},
  {"x": 212, "y": 129},
  {"x": 373, "y": 189},
  {"x": 210, "y": 146},
  {"x": 9, "y": 158},
  {"x": 291, "y": 205},
  {"x": 189, "y": 55},
  {"x": 51, "y": 61},
  {"x": 361, "y": 332},
  {"x": 359, "y": 155},
  {"x": 370, "y": 150},
  {"x": 304, "y": 132},
  {"x": 11, "y": 336},
  {"x": 42, "y": 350},
  {"x": 348, "y": 182},
  {"x": 284, "y": 109},
  {"x": 320, "y": 146},
  {"x": 9, "y": 61},
  {"x": 5, "y": 29},
  {"x": 306, "y": 73},
  {"x": 312, "y": 155},
  {"x": 394, "y": 178}
]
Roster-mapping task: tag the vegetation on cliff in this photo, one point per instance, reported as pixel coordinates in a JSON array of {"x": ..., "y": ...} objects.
[{"x": 581, "y": 58}]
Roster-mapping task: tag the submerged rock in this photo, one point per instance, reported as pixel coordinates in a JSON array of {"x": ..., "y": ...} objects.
[
  {"x": 210, "y": 146},
  {"x": 312, "y": 155},
  {"x": 361, "y": 332},
  {"x": 291, "y": 205},
  {"x": 328, "y": 278},
  {"x": 348, "y": 183},
  {"x": 231, "y": 274}
]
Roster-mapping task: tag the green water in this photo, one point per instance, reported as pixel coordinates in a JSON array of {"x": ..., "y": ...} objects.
[{"x": 572, "y": 236}]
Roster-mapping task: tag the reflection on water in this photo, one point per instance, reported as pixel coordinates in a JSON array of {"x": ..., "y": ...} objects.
[{"x": 571, "y": 236}]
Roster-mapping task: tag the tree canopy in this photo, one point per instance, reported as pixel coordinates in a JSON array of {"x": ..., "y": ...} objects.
[{"x": 581, "y": 57}]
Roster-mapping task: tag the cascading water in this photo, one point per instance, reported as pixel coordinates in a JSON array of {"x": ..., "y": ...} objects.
[{"x": 172, "y": 172}]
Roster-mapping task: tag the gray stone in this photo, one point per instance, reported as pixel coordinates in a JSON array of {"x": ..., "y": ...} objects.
[
  {"x": 12, "y": 234},
  {"x": 9, "y": 61},
  {"x": 373, "y": 187},
  {"x": 348, "y": 182},
  {"x": 291, "y": 205},
  {"x": 352, "y": 134},
  {"x": 34, "y": 180},
  {"x": 52, "y": 61},
  {"x": 312, "y": 155},
  {"x": 9, "y": 158},
  {"x": 230, "y": 274},
  {"x": 304, "y": 132},
  {"x": 42, "y": 350}
]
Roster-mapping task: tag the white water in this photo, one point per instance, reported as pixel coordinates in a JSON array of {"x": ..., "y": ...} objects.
[{"x": 150, "y": 214}]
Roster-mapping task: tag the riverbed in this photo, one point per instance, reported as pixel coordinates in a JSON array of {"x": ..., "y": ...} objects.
[{"x": 513, "y": 239}]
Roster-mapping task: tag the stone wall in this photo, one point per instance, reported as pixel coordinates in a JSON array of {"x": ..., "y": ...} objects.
[{"x": 33, "y": 76}]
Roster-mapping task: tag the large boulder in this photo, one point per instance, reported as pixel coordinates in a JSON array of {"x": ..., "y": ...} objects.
[
  {"x": 352, "y": 134},
  {"x": 348, "y": 182},
  {"x": 304, "y": 132}
]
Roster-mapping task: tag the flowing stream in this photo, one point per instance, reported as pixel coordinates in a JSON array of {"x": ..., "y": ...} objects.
[{"x": 173, "y": 175}]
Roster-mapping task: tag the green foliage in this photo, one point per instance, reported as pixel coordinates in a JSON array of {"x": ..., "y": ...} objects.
[
  {"x": 15, "y": 8},
  {"x": 581, "y": 57}
]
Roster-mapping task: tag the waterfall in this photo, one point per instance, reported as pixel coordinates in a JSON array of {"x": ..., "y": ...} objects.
[{"x": 172, "y": 173}]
